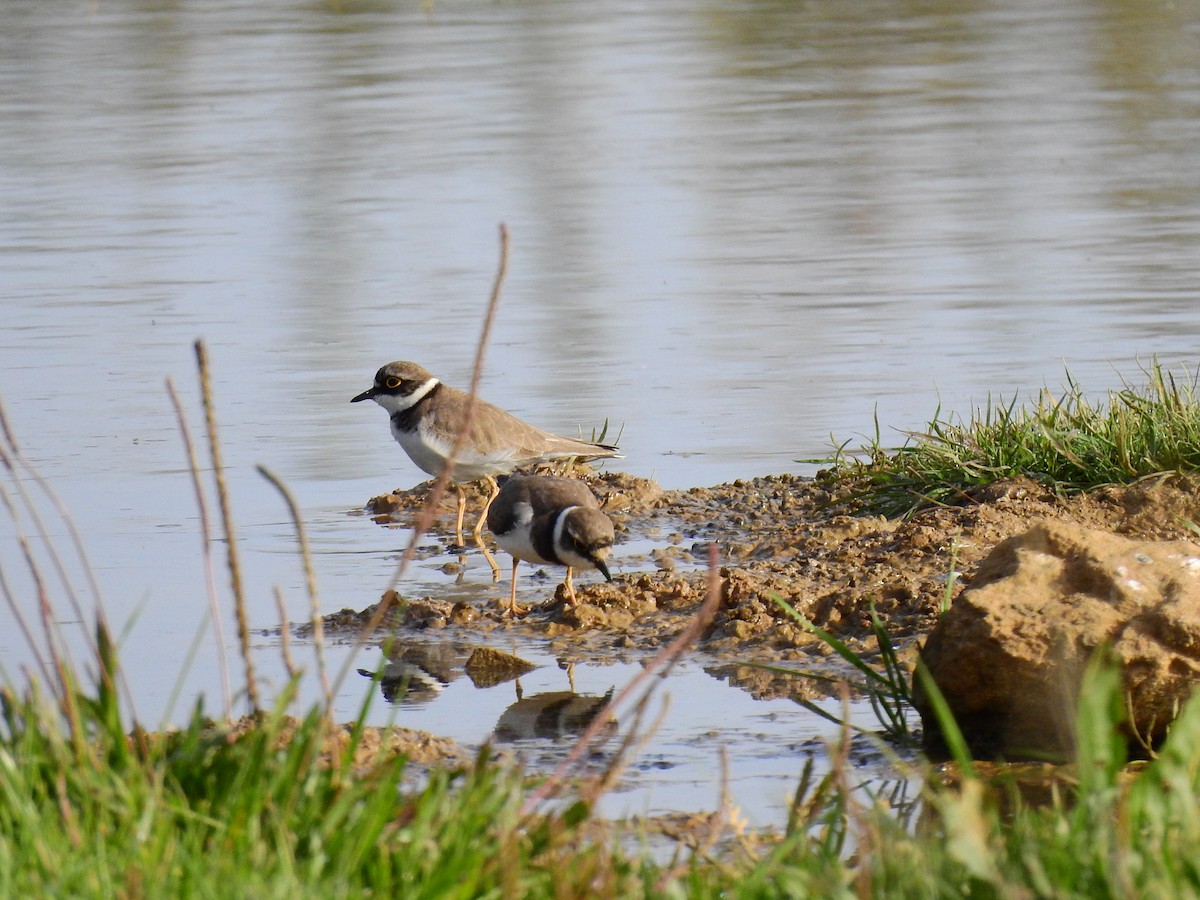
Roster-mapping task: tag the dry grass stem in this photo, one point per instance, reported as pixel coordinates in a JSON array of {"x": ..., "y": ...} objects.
[
  {"x": 285, "y": 638},
  {"x": 17, "y": 464},
  {"x": 658, "y": 666},
  {"x": 231, "y": 547},
  {"x": 636, "y": 738},
  {"x": 310, "y": 577},
  {"x": 210, "y": 572},
  {"x": 425, "y": 516},
  {"x": 712, "y": 830},
  {"x": 61, "y": 666},
  {"x": 11, "y": 600},
  {"x": 46, "y": 614}
]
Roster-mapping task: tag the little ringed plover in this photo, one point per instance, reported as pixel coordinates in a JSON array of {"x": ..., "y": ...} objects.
[
  {"x": 550, "y": 520},
  {"x": 427, "y": 416}
]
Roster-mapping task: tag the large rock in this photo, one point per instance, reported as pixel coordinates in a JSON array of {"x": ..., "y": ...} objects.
[{"x": 1010, "y": 653}]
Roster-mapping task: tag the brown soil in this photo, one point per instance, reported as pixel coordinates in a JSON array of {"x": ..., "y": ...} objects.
[
  {"x": 799, "y": 540},
  {"x": 372, "y": 746}
]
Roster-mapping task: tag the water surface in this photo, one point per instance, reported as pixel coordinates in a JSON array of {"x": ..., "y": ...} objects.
[{"x": 738, "y": 229}]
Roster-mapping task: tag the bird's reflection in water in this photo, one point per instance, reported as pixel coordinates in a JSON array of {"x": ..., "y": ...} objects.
[
  {"x": 551, "y": 715},
  {"x": 417, "y": 672},
  {"x": 404, "y": 682}
]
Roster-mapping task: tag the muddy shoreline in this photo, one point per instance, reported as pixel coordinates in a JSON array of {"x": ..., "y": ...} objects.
[{"x": 803, "y": 540}]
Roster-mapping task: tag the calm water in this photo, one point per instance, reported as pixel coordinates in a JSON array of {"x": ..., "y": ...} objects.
[{"x": 738, "y": 229}]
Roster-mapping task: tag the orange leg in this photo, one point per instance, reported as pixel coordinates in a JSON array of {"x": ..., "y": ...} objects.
[
  {"x": 486, "y": 506},
  {"x": 512, "y": 608},
  {"x": 572, "y": 600},
  {"x": 462, "y": 509},
  {"x": 478, "y": 532},
  {"x": 491, "y": 560}
]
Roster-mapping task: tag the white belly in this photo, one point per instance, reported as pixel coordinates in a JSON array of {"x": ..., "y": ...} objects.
[
  {"x": 430, "y": 452},
  {"x": 429, "y": 456},
  {"x": 516, "y": 542}
]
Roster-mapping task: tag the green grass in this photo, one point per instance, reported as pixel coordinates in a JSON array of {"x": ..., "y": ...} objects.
[
  {"x": 88, "y": 810},
  {"x": 1068, "y": 442},
  {"x": 886, "y": 688}
]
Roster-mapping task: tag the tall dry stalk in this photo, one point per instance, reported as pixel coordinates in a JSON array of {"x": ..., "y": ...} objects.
[
  {"x": 21, "y": 469},
  {"x": 210, "y": 576},
  {"x": 425, "y": 516},
  {"x": 285, "y": 642},
  {"x": 659, "y": 665},
  {"x": 10, "y": 598},
  {"x": 231, "y": 546},
  {"x": 310, "y": 577}
]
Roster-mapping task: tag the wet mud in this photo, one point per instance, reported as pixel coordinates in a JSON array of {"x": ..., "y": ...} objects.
[{"x": 802, "y": 541}]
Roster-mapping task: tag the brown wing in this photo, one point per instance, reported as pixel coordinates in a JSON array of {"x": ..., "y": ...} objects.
[
  {"x": 548, "y": 494},
  {"x": 494, "y": 428}
]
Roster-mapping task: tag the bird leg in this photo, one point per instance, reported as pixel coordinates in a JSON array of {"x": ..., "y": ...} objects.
[
  {"x": 462, "y": 508},
  {"x": 478, "y": 532},
  {"x": 491, "y": 560},
  {"x": 571, "y": 599},
  {"x": 512, "y": 609},
  {"x": 487, "y": 505}
]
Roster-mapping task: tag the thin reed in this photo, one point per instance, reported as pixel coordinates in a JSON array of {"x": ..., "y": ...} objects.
[
  {"x": 310, "y": 581},
  {"x": 231, "y": 543},
  {"x": 210, "y": 572}
]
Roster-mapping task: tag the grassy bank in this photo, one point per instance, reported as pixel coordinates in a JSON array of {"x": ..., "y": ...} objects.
[
  {"x": 91, "y": 811},
  {"x": 1067, "y": 441}
]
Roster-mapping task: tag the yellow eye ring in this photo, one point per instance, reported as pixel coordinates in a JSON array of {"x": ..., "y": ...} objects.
[{"x": 392, "y": 383}]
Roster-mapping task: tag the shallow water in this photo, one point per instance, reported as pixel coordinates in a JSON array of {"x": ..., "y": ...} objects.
[
  {"x": 693, "y": 720},
  {"x": 738, "y": 230}
]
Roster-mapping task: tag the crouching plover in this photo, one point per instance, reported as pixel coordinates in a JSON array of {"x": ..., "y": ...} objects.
[
  {"x": 427, "y": 416},
  {"x": 556, "y": 521}
]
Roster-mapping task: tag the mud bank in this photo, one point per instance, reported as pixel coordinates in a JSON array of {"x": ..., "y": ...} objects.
[{"x": 804, "y": 541}]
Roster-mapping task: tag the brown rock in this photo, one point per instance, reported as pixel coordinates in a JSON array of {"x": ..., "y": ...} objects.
[
  {"x": 488, "y": 667},
  {"x": 1010, "y": 653},
  {"x": 588, "y": 615}
]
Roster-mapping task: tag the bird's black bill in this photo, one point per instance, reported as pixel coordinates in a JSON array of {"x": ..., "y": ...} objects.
[
  {"x": 599, "y": 564},
  {"x": 365, "y": 395}
]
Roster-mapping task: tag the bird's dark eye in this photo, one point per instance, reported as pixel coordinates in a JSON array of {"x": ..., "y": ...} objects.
[{"x": 392, "y": 383}]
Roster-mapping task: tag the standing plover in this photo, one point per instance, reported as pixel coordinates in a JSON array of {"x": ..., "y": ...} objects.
[{"x": 427, "y": 416}]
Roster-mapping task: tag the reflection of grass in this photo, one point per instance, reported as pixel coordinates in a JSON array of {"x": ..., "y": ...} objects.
[
  {"x": 1067, "y": 442},
  {"x": 886, "y": 688}
]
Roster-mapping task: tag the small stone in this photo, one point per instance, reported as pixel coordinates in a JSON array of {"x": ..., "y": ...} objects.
[
  {"x": 463, "y": 613},
  {"x": 487, "y": 667}
]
